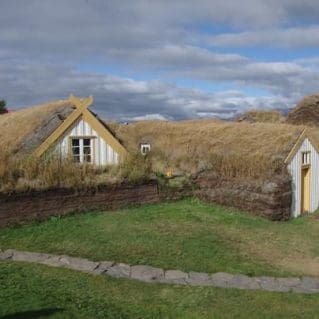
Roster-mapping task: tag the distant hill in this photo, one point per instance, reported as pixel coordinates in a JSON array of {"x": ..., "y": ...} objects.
[
  {"x": 306, "y": 112},
  {"x": 261, "y": 116}
]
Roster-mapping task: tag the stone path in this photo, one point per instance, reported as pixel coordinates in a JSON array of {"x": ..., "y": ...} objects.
[{"x": 305, "y": 285}]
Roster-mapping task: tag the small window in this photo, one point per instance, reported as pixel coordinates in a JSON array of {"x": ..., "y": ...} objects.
[
  {"x": 305, "y": 156},
  {"x": 145, "y": 148},
  {"x": 81, "y": 150}
]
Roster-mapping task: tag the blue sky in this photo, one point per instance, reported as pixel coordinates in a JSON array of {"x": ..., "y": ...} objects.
[{"x": 160, "y": 59}]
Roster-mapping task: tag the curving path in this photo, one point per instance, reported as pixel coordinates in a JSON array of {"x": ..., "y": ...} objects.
[{"x": 305, "y": 285}]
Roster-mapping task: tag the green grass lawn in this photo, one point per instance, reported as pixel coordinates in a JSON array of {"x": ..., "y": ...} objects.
[
  {"x": 186, "y": 235},
  {"x": 36, "y": 291}
]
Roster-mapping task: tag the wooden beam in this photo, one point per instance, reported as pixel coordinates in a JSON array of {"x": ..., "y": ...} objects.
[
  {"x": 296, "y": 147},
  {"x": 81, "y": 104},
  {"x": 300, "y": 140},
  {"x": 72, "y": 118},
  {"x": 105, "y": 133}
]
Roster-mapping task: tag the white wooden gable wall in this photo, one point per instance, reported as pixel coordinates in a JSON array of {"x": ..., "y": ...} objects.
[
  {"x": 294, "y": 168},
  {"x": 103, "y": 154}
]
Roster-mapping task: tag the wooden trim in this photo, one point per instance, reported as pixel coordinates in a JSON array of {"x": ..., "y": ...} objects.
[
  {"x": 305, "y": 189},
  {"x": 73, "y": 117},
  {"x": 296, "y": 147},
  {"x": 83, "y": 136},
  {"x": 82, "y": 110},
  {"x": 81, "y": 104},
  {"x": 93, "y": 162},
  {"x": 104, "y": 133}
]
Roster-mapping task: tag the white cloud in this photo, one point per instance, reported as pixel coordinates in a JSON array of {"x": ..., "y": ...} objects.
[
  {"x": 125, "y": 99},
  {"x": 41, "y": 42},
  {"x": 147, "y": 117}
]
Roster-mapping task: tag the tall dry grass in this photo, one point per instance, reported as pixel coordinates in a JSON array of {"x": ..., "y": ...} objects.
[
  {"x": 233, "y": 150},
  {"x": 21, "y": 173}
]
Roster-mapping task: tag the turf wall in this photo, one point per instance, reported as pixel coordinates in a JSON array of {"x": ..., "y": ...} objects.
[
  {"x": 270, "y": 199},
  {"x": 16, "y": 208}
]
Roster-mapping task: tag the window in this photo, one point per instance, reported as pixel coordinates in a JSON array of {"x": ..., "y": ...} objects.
[
  {"x": 305, "y": 157},
  {"x": 145, "y": 148},
  {"x": 81, "y": 149}
]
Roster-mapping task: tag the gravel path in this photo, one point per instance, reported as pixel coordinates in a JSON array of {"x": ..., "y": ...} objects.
[{"x": 305, "y": 285}]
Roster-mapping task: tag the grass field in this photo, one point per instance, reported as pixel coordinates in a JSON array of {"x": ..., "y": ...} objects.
[
  {"x": 36, "y": 291},
  {"x": 187, "y": 235}
]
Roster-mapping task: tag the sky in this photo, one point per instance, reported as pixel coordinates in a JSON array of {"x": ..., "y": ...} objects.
[{"x": 160, "y": 59}]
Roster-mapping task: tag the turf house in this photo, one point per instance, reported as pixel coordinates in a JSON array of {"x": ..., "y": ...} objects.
[{"x": 268, "y": 169}]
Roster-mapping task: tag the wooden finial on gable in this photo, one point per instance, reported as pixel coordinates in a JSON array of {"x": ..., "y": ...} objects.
[{"x": 81, "y": 104}]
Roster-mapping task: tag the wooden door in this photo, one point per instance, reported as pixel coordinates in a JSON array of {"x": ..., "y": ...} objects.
[{"x": 305, "y": 189}]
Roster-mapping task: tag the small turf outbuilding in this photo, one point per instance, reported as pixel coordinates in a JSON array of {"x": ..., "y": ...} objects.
[
  {"x": 269, "y": 169},
  {"x": 303, "y": 165}
]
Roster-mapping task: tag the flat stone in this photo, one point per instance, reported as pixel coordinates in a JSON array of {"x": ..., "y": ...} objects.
[
  {"x": 271, "y": 284},
  {"x": 244, "y": 282},
  {"x": 29, "y": 257},
  {"x": 176, "y": 276},
  {"x": 221, "y": 279},
  {"x": 5, "y": 255},
  {"x": 103, "y": 267},
  {"x": 287, "y": 284},
  {"x": 53, "y": 261},
  {"x": 80, "y": 264},
  {"x": 307, "y": 285},
  {"x": 147, "y": 273},
  {"x": 119, "y": 271},
  {"x": 199, "y": 279}
]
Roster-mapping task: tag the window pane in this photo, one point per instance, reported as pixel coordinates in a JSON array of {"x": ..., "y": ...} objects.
[
  {"x": 75, "y": 142},
  {"x": 86, "y": 142},
  {"x": 76, "y": 158},
  {"x": 86, "y": 150},
  {"x": 75, "y": 150},
  {"x": 306, "y": 158}
]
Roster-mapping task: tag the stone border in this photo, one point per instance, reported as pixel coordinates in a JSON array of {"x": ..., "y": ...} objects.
[{"x": 304, "y": 285}]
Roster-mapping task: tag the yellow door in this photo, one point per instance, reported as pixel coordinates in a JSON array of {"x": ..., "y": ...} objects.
[{"x": 305, "y": 190}]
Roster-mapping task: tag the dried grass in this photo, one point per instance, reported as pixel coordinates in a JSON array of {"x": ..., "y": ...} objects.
[
  {"x": 23, "y": 173},
  {"x": 238, "y": 150},
  {"x": 234, "y": 150},
  {"x": 261, "y": 116},
  {"x": 16, "y": 126}
]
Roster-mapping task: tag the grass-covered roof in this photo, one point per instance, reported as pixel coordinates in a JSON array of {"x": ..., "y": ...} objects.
[
  {"x": 227, "y": 147},
  {"x": 232, "y": 148},
  {"x": 20, "y": 127}
]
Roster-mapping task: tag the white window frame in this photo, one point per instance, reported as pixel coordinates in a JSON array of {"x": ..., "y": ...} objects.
[
  {"x": 81, "y": 147},
  {"x": 305, "y": 158},
  {"x": 145, "y": 148}
]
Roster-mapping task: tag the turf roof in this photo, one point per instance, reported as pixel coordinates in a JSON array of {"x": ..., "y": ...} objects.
[
  {"x": 196, "y": 142},
  {"x": 17, "y": 127}
]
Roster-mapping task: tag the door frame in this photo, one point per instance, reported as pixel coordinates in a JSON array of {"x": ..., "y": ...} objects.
[{"x": 306, "y": 168}]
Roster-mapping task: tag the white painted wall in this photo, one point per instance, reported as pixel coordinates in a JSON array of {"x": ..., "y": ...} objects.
[
  {"x": 103, "y": 154},
  {"x": 295, "y": 170}
]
